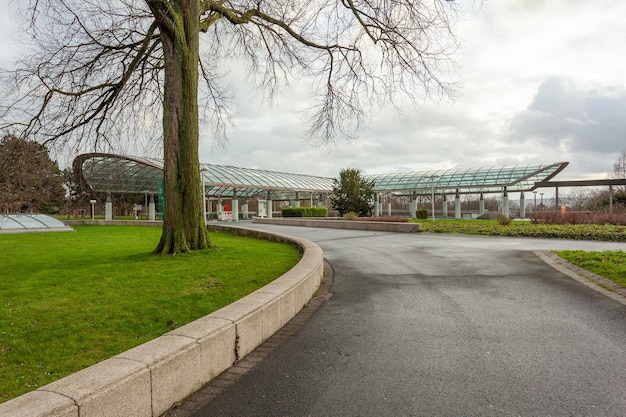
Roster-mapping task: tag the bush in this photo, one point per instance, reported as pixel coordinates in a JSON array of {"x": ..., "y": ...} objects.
[
  {"x": 503, "y": 220},
  {"x": 350, "y": 215},
  {"x": 305, "y": 212},
  {"x": 421, "y": 214},
  {"x": 552, "y": 217}
]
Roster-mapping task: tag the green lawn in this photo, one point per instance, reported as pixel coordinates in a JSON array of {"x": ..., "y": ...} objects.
[
  {"x": 608, "y": 264},
  {"x": 69, "y": 300},
  {"x": 527, "y": 229}
]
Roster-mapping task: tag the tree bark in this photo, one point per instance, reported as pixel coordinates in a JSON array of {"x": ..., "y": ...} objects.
[{"x": 183, "y": 223}]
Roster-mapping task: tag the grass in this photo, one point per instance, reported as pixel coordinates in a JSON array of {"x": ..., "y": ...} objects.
[
  {"x": 69, "y": 300},
  {"x": 608, "y": 264},
  {"x": 605, "y": 232}
]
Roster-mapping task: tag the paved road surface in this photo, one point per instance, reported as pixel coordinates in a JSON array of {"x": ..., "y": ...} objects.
[{"x": 442, "y": 325}]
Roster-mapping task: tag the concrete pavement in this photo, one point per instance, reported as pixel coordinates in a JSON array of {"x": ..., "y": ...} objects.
[{"x": 442, "y": 325}]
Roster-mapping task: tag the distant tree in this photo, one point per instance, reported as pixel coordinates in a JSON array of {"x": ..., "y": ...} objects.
[
  {"x": 352, "y": 193},
  {"x": 578, "y": 199},
  {"x": 619, "y": 170},
  {"x": 76, "y": 195},
  {"x": 29, "y": 180}
]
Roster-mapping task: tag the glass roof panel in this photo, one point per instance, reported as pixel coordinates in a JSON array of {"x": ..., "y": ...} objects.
[
  {"x": 126, "y": 174},
  {"x": 19, "y": 223}
]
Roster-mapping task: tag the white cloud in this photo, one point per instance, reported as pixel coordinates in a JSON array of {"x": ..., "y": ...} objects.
[{"x": 544, "y": 81}]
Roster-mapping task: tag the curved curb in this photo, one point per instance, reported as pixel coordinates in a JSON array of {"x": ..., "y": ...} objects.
[
  {"x": 339, "y": 223},
  {"x": 600, "y": 284},
  {"x": 148, "y": 379},
  {"x": 217, "y": 385}
]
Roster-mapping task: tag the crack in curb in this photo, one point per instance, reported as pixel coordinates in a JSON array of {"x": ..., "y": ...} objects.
[{"x": 243, "y": 365}]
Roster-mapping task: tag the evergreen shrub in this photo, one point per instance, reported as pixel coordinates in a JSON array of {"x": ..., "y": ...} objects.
[
  {"x": 305, "y": 212},
  {"x": 421, "y": 214}
]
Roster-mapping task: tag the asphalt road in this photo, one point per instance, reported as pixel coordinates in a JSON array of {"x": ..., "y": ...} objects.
[{"x": 442, "y": 325}]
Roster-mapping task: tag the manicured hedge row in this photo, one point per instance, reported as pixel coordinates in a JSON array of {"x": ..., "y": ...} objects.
[{"x": 305, "y": 212}]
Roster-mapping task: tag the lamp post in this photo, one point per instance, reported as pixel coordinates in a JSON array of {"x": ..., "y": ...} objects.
[
  {"x": 93, "y": 203},
  {"x": 432, "y": 193},
  {"x": 542, "y": 208},
  {"x": 535, "y": 195},
  {"x": 202, "y": 171}
]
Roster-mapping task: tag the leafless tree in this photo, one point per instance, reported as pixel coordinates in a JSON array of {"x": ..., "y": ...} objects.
[
  {"x": 99, "y": 70},
  {"x": 619, "y": 169}
]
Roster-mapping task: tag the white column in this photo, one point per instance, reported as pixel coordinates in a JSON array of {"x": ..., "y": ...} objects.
[
  {"x": 457, "y": 205},
  {"x": 444, "y": 207},
  {"x": 108, "y": 209},
  {"x": 377, "y": 205},
  {"x": 235, "y": 209},
  {"x": 389, "y": 209},
  {"x": 412, "y": 207},
  {"x": 269, "y": 206},
  {"x": 244, "y": 210},
  {"x": 296, "y": 203},
  {"x": 481, "y": 204},
  {"x": 522, "y": 206},
  {"x": 151, "y": 209}
]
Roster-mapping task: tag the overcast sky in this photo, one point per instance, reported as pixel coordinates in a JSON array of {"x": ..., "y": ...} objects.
[{"x": 543, "y": 81}]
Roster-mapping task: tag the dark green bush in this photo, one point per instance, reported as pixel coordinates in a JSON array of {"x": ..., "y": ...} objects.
[
  {"x": 305, "y": 212},
  {"x": 421, "y": 214}
]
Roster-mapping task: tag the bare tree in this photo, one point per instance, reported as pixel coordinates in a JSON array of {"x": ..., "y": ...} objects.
[
  {"x": 619, "y": 169},
  {"x": 97, "y": 70}
]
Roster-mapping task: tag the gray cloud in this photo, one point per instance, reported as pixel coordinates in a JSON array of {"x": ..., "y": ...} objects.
[{"x": 582, "y": 119}]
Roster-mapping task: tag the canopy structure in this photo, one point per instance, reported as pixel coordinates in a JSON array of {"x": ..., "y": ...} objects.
[
  {"x": 468, "y": 181},
  {"x": 102, "y": 172},
  {"x": 133, "y": 175}
]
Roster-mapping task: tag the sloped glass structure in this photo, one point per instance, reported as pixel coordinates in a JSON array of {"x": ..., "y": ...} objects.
[
  {"x": 132, "y": 175},
  {"x": 468, "y": 181},
  {"x": 24, "y": 223},
  {"x": 102, "y": 172}
]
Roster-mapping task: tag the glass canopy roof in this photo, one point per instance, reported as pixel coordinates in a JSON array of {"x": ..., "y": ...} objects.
[
  {"x": 20, "y": 223},
  {"x": 124, "y": 174},
  {"x": 468, "y": 181}
]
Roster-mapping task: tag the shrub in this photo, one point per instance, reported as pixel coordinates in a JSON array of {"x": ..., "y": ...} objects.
[
  {"x": 350, "y": 215},
  {"x": 305, "y": 212},
  {"x": 551, "y": 217},
  {"x": 421, "y": 214},
  {"x": 503, "y": 220}
]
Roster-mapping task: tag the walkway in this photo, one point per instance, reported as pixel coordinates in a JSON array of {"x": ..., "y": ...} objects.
[{"x": 442, "y": 325}]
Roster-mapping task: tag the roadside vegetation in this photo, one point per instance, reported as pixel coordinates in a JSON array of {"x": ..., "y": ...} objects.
[
  {"x": 608, "y": 264},
  {"x": 607, "y": 232},
  {"x": 69, "y": 300}
]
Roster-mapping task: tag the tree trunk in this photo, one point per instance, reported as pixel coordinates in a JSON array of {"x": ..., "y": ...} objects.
[{"x": 183, "y": 223}]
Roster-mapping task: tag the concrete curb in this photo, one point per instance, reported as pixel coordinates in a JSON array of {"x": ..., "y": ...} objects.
[
  {"x": 342, "y": 224},
  {"x": 148, "y": 379}
]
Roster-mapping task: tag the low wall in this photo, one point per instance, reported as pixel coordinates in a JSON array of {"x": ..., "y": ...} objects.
[
  {"x": 343, "y": 224},
  {"x": 148, "y": 379}
]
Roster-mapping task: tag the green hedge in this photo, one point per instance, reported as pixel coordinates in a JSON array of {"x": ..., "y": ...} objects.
[
  {"x": 421, "y": 214},
  {"x": 305, "y": 212}
]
